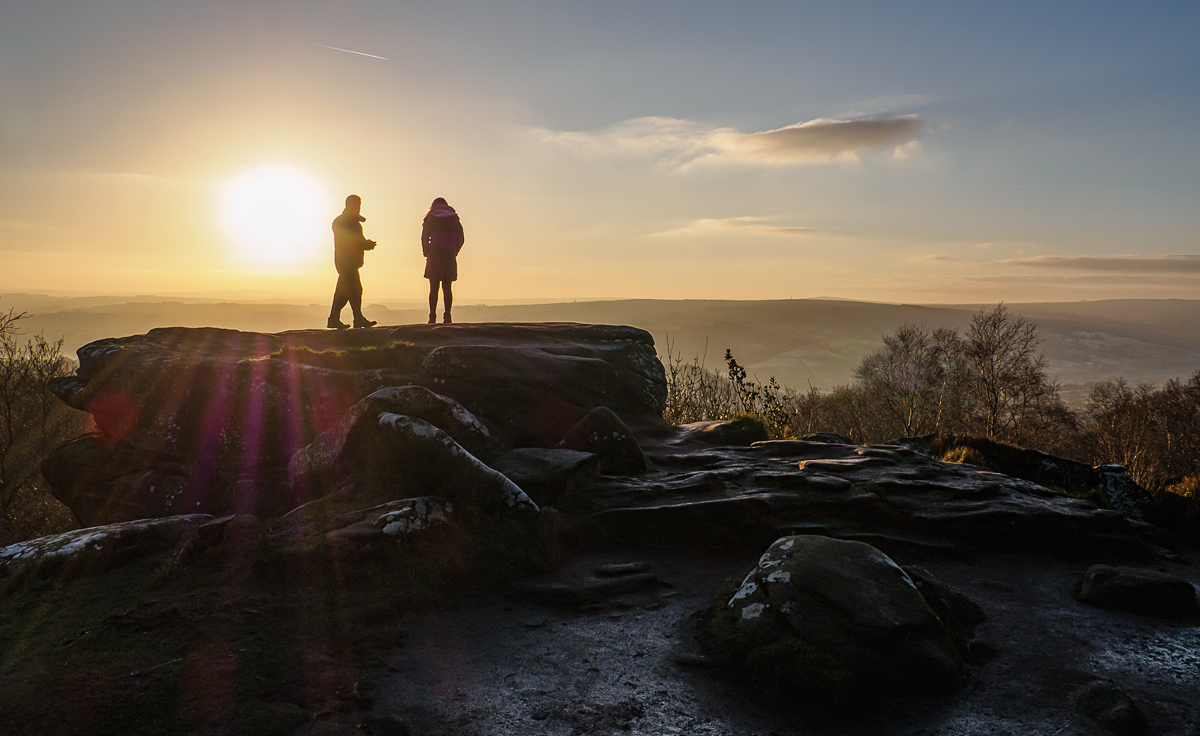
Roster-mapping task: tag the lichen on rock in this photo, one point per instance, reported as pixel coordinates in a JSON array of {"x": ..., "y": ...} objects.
[{"x": 828, "y": 620}]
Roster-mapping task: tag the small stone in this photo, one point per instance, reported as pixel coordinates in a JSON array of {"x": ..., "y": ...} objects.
[
  {"x": 1109, "y": 706},
  {"x": 1148, "y": 592}
]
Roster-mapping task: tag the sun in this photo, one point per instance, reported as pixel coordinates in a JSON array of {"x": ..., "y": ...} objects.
[{"x": 277, "y": 215}]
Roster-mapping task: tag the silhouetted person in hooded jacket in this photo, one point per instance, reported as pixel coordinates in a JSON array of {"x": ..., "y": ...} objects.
[
  {"x": 441, "y": 240},
  {"x": 348, "y": 248}
]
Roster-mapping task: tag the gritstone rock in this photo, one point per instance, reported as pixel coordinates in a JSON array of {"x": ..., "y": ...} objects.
[
  {"x": 388, "y": 456},
  {"x": 602, "y": 432},
  {"x": 1147, "y": 592},
  {"x": 1121, "y": 492},
  {"x": 1106, "y": 704},
  {"x": 740, "y": 432},
  {"x": 96, "y": 549},
  {"x": 550, "y": 476},
  {"x": 829, "y": 619},
  {"x": 206, "y": 408}
]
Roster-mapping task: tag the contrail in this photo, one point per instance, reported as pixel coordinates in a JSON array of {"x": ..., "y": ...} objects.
[{"x": 348, "y": 51}]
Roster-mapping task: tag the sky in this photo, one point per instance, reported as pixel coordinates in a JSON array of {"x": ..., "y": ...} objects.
[{"x": 917, "y": 152}]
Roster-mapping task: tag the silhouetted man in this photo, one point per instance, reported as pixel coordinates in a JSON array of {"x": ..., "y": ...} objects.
[{"x": 348, "y": 247}]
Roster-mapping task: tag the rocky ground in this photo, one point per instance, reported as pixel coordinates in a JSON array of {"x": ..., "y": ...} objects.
[
  {"x": 490, "y": 529},
  {"x": 629, "y": 665}
]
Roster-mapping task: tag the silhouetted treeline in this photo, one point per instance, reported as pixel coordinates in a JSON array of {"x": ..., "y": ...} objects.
[{"x": 988, "y": 381}]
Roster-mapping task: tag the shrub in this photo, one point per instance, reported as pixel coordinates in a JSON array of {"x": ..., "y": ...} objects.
[
  {"x": 1188, "y": 487},
  {"x": 965, "y": 455}
]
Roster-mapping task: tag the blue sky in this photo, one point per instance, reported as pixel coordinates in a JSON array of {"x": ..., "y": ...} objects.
[{"x": 922, "y": 152}]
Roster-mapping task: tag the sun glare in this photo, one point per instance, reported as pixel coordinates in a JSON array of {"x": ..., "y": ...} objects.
[{"x": 277, "y": 215}]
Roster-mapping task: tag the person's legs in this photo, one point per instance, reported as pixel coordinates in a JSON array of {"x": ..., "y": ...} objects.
[
  {"x": 433, "y": 300},
  {"x": 341, "y": 295},
  {"x": 449, "y": 297},
  {"x": 354, "y": 287},
  {"x": 356, "y": 292}
]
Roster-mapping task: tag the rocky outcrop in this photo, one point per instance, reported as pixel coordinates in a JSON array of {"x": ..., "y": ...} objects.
[
  {"x": 245, "y": 395},
  {"x": 1148, "y": 592},
  {"x": 891, "y": 494},
  {"x": 206, "y": 420},
  {"x": 223, "y": 422},
  {"x": 389, "y": 468},
  {"x": 826, "y": 619},
  {"x": 1108, "y": 483}
]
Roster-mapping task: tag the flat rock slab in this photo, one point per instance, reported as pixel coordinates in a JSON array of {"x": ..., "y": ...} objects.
[
  {"x": 887, "y": 494},
  {"x": 97, "y": 549}
]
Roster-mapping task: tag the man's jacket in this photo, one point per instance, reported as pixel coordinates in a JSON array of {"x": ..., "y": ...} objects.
[{"x": 348, "y": 242}]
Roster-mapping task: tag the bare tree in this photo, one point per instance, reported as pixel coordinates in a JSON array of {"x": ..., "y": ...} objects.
[
  {"x": 31, "y": 419},
  {"x": 1008, "y": 390},
  {"x": 1155, "y": 433},
  {"x": 916, "y": 379}
]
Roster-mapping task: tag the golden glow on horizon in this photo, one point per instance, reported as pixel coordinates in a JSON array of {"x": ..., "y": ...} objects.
[{"x": 277, "y": 215}]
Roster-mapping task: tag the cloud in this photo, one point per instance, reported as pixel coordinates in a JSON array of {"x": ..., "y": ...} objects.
[
  {"x": 684, "y": 143},
  {"x": 745, "y": 225},
  {"x": 1119, "y": 264}
]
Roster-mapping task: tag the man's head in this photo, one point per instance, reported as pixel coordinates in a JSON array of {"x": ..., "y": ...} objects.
[{"x": 353, "y": 204}]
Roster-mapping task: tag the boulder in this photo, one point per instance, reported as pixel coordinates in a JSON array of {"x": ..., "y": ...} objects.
[
  {"x": 97, "y": 549},
  {"x": 740, "y": 432},
  {"x": 230, "y": 400},
  {"x": 385, "y": 457},
  {"x": 1102, "y": 702},
  {"x": 952, "y": 607},
  {"x": 550, "y": 476},
  {"x": 602, "y": 432},
  {"x": 1120, "y": 492},
  {"x": 444, "y": 413},
  {"x": 1147, "y": 592},
  {"x": 108, "y": 482},
  {"x": 830, "y": 620}
]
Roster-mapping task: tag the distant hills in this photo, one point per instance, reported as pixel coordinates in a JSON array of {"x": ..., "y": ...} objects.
[{"x": 801, "y": 342}]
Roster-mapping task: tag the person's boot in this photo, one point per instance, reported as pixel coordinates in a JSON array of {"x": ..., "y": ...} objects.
[
  {"x": 446, "y": 318},
  {"x": 433, "y": 318},
  {"x": 336, "y": 324},
  {"x": 361, "y": 321}
]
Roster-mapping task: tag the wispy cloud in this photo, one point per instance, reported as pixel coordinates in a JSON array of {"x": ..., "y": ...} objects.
[
  {"x": 728, "y": 225},
  {"x": 1119, "y": 264},
  {"x": 686, "y": 143},
  {"x": 1126, "y": 265}
]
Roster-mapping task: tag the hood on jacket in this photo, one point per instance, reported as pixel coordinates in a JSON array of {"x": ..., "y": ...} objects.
[{"x": 442, "y": 210}]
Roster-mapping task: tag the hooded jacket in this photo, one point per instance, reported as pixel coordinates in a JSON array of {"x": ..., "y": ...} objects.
[{"x": 441, "y": 233}]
